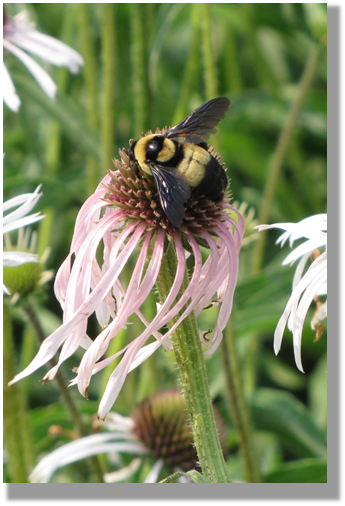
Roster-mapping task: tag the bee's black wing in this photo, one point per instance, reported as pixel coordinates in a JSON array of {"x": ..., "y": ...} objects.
[
  {"x": 173, "y": 192},
  {"x": 201, "y": 123}
]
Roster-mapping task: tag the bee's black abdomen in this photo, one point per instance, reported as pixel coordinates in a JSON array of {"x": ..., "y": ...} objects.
[{"x": 214, "y": 182}]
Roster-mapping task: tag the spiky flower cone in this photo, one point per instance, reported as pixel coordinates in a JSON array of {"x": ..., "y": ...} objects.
[
  {"x": 161, "y": 423},
  {"x": 136, "y": 194}
]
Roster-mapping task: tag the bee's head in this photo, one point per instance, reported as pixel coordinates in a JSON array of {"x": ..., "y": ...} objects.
[{"x": 153, "y": 147}]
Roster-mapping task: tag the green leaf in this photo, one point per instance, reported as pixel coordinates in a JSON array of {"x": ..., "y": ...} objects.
[
  {"x": 173, "y": 478},
  {"x": 197, "y": 477},
  {"x": 303, "y": 471},
  {"x": 42, "y": 419},
  {"x": 282, "y": 374},
  {"x": 268, "y": 450},
  {"x": 316, "y": 15},
  {"x": 318, "y": 392},
  {"x": 281, "y": 413}
]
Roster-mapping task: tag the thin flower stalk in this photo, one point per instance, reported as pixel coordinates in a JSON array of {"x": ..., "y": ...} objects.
[{"x": 191, "y": 365}]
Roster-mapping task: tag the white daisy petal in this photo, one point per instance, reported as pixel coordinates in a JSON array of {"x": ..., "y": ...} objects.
[
  {"x": 14, "y": 258},
  {"x": 16, "y": 220},
  {"x": 19, "y": 33},
  {"x": 49, "y": 49},
  {"x": 80, "y": 449},
  {"x": 44, "y": 80},
  {"x": 10, "y": 96},
  {"x": 304, "y": 287},
  {"x": 123, "y": 474},
  {"x": 22, "y": 222},
  {"x": 152, "y": 477}
]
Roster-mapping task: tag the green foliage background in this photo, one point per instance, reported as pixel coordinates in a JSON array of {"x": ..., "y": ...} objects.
[{"x": 147, "y": 66}]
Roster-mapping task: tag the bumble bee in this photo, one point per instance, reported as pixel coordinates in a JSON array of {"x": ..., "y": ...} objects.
[{"x": 179, "y": 160}]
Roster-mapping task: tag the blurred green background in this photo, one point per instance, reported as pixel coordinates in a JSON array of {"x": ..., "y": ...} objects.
[{"x": 147, "y": 66}]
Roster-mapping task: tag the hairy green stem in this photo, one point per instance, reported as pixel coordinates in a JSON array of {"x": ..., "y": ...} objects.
[
  {"x": 192, "y": 66},
  {"x": 239, "y": 410},
  {"x": 62, "y": 75},
  {"x": 139, "y": 81},
  {"x": 232, "y": 63},
  {"x": 61, "y": 383},
  {"x": 109, "y": 82},
  {"x": 193, "y": 375},
  {"x": 93, "y": 174},
  {"x": 210, "y": 70},
  {"x": 17, "y": 435},
  {"x": 210, "y": 67}
]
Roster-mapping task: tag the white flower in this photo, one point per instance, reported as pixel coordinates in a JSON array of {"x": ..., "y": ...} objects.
[
  {"x": 19, "y": 33},
  {"x": 119, "y": 440},
  {"x": 18, "y": 219},
  {"x": 158, "y": 428},
  {"x": 304, "y": 287}
]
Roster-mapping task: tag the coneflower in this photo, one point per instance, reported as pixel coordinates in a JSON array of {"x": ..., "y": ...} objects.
[
  {"x": 124, "y": 215},
  {"x": 158, "y": 429}
]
